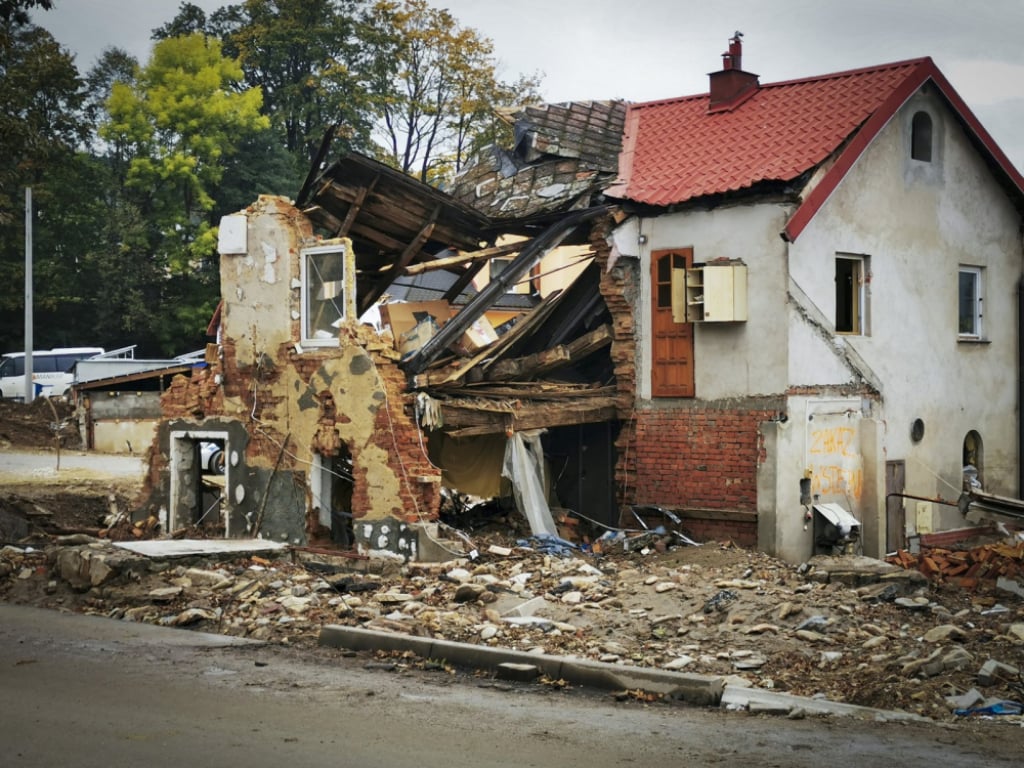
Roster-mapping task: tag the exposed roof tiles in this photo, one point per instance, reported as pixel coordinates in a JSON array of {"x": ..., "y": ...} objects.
[
  {"x": 563, "y": 154},
  {"x": 676, "y": 150}
]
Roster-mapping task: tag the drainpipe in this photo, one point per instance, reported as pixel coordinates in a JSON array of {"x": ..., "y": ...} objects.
[{"x": 1020, "y": 388}]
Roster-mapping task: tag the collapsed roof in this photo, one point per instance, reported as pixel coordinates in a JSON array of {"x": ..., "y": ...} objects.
[{"x": 551, "y": 186}]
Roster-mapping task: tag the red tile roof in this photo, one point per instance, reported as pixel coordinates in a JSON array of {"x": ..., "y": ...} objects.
[{"x": 675, "y": 150}]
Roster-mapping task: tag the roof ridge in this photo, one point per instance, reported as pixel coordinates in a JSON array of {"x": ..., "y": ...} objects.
[{"x": 905, "y": 63}]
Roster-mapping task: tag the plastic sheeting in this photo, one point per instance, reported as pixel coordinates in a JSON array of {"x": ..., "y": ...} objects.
[
  {"x": 472, "y": 465},
  {"x": 524, "y": 467}
]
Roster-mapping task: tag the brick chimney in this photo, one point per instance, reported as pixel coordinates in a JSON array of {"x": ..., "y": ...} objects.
[{"x": 731, "y": 86}]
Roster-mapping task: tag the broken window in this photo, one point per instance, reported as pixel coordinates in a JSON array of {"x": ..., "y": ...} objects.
[
  {"x": 851, "y": 294},
  {"x": 970, "y": 303},
  {"x": 921, "y": 137},
  {"x": 323, "y": 294}
]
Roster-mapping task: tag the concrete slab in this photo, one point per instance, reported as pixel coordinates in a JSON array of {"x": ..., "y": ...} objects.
[
  {"x": 199, "y": 547},
  {"x": 771, "y": 702}
]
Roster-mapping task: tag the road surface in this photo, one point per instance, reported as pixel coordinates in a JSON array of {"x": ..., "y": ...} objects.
[{"x": 86, "y": 691}]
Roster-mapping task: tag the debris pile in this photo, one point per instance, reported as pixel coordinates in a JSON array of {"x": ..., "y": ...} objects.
[
  {"x": 849, "y": 629},
  {"x": 966, "y": 568}
]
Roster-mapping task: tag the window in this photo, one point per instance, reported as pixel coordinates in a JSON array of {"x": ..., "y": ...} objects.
[
  {"x": 323, "y": 294},
  {"x": 851, "y": 294},
  {"x": 970, "y": 303},
  {"x": 921, "y": 137}
]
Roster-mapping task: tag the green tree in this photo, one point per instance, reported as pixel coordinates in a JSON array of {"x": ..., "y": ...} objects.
[
  {"x": 437, "y": 88},
  {"x": 16, "y": 11},
  {"x": 180, "y": 120},
  {"x": 178, "y": 126},
  {"x": 307, "y": 57},
  {"x": 41, "y": 124}
]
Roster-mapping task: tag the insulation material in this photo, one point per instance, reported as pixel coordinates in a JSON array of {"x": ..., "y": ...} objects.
[
  {"x": 524, "y": 467},
  {"x": 472, "y": 465}
]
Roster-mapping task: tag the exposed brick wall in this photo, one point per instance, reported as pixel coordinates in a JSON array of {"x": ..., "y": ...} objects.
[
  {"x": 395, "y": 431},
  {"x": 618, "y": 286},
  {"x": 740, "y": 532},
  {"x": 702, "y": 455}
]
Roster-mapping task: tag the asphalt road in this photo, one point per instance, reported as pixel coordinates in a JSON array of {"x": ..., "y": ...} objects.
[{"x": 86, "y": 691}]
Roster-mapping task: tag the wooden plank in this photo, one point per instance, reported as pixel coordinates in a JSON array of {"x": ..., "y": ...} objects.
[{"x": 464, "y": 258}]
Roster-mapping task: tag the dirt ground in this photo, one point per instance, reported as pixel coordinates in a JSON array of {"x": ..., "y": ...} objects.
[{"x": 848, "y": 629}]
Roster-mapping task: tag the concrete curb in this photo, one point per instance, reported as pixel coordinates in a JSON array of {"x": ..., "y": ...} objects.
[{"x": 702, "y": 690}]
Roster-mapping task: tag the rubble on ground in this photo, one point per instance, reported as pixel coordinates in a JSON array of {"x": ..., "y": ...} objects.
[{"x": 849, "y": 629}]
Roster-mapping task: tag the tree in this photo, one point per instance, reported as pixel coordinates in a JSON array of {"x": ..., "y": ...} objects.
[
  {"x": 16, "y": 11},
  {"x": 178, "y": 125},
  {"x": 179, "y": 121},
  {"x": 41, "y": 124},
  {"x": 307, "y": 57},
  {"x": 438, "y": 88}
]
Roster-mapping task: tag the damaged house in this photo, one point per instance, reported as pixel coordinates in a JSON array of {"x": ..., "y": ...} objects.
[{"x": 797, "y": 307}]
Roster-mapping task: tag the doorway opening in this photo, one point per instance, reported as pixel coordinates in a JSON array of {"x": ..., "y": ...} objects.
[
  {"x": 199, "y": 482},
  {"x": 973, "y": 462},
  {"x": 332, "y": 485}
]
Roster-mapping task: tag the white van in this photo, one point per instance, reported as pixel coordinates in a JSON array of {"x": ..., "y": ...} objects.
[{"x": 53, "y": 371}]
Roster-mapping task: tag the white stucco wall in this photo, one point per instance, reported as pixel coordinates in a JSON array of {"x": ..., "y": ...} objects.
[
  {"x": 730, "y": 359},
  {"x": 917, "y": 223}
]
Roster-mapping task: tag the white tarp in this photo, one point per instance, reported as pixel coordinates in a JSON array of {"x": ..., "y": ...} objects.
[
  {"x": 524, "y": 467},
  {"x": 839, "y": 517}
]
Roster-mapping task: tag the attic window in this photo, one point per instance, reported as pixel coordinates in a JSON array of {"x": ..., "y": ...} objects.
[
  {"x": 921, "y": 137},
  {"x": 323, "y": 294}
]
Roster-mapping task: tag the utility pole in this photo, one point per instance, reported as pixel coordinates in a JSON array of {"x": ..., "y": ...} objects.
[{"x": 29, "y": 385}]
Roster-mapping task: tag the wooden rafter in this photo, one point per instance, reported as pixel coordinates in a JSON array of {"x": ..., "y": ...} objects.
[
  {"x": 464, "y": 258},
  {"x": 355, "y": 207}
]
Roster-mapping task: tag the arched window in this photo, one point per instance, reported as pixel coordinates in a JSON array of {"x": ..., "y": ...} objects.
[
  {"x": 973, "y": 461},
  {"x": 921, "y": 137}
]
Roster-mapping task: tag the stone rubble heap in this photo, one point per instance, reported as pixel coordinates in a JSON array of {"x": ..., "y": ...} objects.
[{"x": 850, "y": 629}]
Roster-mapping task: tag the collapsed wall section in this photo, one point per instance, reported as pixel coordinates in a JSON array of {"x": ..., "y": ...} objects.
[{"x": 295, "y": 420}]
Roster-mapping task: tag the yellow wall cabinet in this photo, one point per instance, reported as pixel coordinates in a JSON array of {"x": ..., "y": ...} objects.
[{"x": 713, "y": 292}]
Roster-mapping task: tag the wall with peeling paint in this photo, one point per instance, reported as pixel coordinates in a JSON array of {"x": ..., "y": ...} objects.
[
  {"x": 293, "y": 402},
  {"x": 846, "y": 401},
  {"x": 917, "y": 222}
]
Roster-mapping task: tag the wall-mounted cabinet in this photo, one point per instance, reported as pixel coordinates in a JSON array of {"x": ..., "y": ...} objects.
[{"x": 709, "y": 293}]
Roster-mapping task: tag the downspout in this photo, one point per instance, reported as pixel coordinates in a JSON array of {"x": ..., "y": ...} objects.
[{"x": 1020, "y": 388}]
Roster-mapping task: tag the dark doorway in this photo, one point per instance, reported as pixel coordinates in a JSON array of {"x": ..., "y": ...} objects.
[{"x": 582, "y": 461}]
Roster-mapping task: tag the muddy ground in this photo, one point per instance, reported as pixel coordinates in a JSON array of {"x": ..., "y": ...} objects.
[{"x": 849, "y": 629}]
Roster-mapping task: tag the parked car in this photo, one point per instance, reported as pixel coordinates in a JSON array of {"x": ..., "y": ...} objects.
[{"x": 211, "y": 458}]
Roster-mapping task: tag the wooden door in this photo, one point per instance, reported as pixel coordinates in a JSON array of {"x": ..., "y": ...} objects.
[
  {"x": 671, "y": 342},
  {"x": 895, "y": 508}
]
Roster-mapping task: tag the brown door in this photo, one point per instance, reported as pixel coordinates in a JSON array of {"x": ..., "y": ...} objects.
[
  {"x": 671, "y": 342},
  {"x": 895, "y": 510}
]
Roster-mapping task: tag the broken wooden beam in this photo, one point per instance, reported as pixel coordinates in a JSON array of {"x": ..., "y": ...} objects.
[
  {"x": 551, "y": 359},
  {"x": 466, "y": 257}
]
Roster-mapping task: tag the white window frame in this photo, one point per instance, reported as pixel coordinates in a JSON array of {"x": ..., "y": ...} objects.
[
  {"x": 308, "y": 258},
  {"x": 976, "y": 312}
]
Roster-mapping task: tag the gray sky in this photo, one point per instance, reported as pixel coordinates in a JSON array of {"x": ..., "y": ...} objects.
[{"x": 641, "y": 50}]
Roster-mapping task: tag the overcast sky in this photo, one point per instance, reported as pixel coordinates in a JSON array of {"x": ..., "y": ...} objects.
[{"x": 641, "y": 50}]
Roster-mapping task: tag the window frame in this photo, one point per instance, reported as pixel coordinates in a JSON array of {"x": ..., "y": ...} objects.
[
  {"x": 308, "y": 257},
  {"x": 859, "y": 295},
  {"x": 922, "y": 137},
  {"x": 977, "y": 299}
]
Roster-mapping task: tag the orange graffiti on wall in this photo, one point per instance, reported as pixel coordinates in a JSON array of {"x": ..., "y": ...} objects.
[{"x": 834, "y": 440}]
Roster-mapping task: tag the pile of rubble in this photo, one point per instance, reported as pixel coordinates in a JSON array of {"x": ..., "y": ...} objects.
[
  {"x": 850, "y": 629},
  {"x": 967, "y": 568}
]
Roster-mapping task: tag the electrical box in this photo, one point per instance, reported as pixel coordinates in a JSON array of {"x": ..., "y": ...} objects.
[{"x": 709, "y": 293}]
